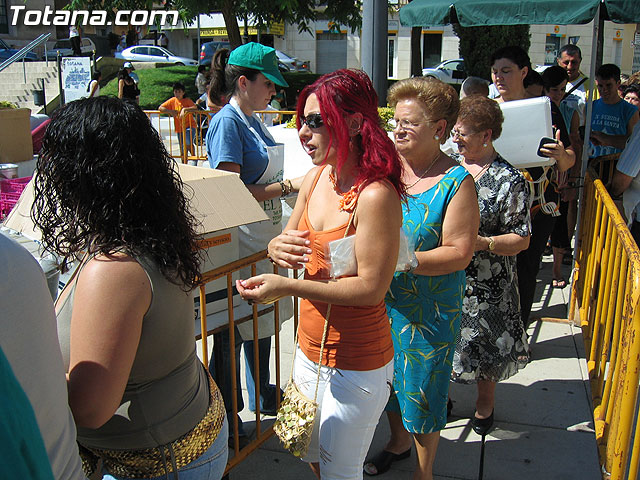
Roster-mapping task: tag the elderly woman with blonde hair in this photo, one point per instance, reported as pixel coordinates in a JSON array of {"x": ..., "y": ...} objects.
[{"x": 440, "y": 218}]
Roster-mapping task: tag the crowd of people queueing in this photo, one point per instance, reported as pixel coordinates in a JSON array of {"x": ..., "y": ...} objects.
[{"x": 141, "y": 402}]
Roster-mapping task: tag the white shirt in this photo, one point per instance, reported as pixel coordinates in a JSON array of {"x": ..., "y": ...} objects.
[
  {"x": 29, "y": 339},
  {"x": 629, "y": 164}
]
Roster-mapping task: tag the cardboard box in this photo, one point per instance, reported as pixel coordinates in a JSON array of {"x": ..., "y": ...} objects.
[
  {"x": 219, "y": 201},
  {"x": 15, "y": 135}
]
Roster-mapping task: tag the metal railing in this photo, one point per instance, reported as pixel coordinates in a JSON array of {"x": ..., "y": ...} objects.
[
  {"x": 22, "y": 53},
  {"x": 604, "y": 300},
  {"x": 198, "y": 122},
  {"x": 227, "y": 271}
]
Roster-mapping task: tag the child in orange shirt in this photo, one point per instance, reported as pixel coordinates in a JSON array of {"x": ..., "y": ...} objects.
[{"x": 177, "y": 107}]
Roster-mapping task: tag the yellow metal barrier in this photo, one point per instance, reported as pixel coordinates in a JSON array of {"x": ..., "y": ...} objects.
[
  {"x": 604, "y": 299},
  {"x": 605, "y": 165},
  {"x": 164, "y": 126},
  {"x": 202, "y": 119},
  {"x": 227, "y": 271}
]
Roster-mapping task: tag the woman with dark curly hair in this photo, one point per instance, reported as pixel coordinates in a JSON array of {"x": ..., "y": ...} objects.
[
  {"x": 355, "y": 188},
  {"x": 107, "y": 190}
]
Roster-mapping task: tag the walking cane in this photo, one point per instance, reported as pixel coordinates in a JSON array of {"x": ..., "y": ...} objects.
[{"x": 481, "y": 468}]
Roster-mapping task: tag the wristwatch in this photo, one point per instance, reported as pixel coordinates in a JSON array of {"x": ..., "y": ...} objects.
[{"x": 492, "y": 244}]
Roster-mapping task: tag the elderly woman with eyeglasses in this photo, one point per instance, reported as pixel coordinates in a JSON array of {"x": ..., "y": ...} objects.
[
  {"x": 441, "y": 219},
  {"x": 492, "y": 344}
]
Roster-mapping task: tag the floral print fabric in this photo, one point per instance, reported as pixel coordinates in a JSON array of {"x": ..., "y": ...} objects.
[
  {"x": 492, "y": 344},
  {"x": 425, "y": 315}
]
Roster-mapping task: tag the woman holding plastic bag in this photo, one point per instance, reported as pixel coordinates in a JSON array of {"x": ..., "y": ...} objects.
[
  {"x": 355, "y": 189},
  {"x": 441, "y": 219}
]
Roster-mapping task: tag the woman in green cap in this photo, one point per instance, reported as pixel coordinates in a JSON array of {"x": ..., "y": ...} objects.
[{"x": 237, "y": 141}]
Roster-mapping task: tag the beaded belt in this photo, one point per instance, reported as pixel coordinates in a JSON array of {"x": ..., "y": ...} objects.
[{"x": 152, "y": 462}]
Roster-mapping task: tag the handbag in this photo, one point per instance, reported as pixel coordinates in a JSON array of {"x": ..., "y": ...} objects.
[{"x": 296, "y": 416}]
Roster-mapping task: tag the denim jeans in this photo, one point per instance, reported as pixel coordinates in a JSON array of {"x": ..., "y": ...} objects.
[
  {"x": 222, "y": 373},
  {"x": 208, "y": 466},
  {"x": 267, "y": 391},
  {"x": 220, "y": 369}
]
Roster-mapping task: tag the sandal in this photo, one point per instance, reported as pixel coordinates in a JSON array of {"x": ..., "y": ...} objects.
[
  {"x": 382, "y": 462},
  {"x": 558, "y": 283}
]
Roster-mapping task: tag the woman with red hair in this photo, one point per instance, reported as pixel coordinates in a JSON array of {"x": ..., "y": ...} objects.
[{"x": 355, "y": 189}]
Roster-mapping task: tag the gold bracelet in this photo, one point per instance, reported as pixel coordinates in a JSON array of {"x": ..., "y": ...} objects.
[
  {"x": 290, "y": 186},
  {"x": 285, "y": 188}
]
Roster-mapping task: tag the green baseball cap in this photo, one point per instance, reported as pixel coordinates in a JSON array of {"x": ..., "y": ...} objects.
[{"x": 259, "y": 57}]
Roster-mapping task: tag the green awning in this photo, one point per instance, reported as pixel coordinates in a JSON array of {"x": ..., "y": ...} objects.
[{"x": 472, "y": 13}]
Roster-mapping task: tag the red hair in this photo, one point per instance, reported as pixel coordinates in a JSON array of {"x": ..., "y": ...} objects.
[{"x": 345, "y": 92}]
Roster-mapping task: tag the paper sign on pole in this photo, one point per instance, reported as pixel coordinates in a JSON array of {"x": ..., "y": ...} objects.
[{"x": 76, "y": 76}]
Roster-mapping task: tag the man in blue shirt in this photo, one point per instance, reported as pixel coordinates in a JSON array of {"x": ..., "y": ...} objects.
[{"x": 613, "y": 119}]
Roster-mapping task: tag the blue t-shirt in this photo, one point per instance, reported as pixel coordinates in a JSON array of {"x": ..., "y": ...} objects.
[
  {"x": 229, "y": 140},
  {"x": 612, "y": 120}
]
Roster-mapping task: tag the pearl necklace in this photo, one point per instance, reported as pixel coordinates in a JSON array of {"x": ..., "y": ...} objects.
[{"x": 425, "y": 172}]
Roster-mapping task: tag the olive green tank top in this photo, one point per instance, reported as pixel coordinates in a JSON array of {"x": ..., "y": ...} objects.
[{"x": 167, "y": 392}]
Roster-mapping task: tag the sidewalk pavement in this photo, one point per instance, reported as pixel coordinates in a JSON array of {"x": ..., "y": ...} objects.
[{"x": 543, "y": 426}]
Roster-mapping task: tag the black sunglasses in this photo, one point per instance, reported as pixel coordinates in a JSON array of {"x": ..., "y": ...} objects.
[{"x": 313, "y": 120}]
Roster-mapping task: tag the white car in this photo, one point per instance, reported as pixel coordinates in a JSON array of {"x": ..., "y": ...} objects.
[
  {"x": 87, "y": 47},
  {"x": 291, "y": 63},
  {"x": 151, "y": 53},
  {"x": 449, "y": 71}
]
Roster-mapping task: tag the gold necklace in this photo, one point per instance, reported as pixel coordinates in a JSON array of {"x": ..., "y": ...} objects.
[
  {"x": 425, "y": 172},
  {"x": 494, "y": 155},
  {"x": 482, "y": 170}
]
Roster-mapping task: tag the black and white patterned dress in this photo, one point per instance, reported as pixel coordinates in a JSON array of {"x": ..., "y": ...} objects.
[{"x": 492, "y": 342}]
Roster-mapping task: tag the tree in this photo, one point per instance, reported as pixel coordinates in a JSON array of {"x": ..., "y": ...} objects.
[
  {"x": 264, "y": 12},
  {"x": 478, "y": 43}
]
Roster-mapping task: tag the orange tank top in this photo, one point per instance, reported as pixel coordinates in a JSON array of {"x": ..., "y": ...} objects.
[{"x": 358, "y": 338}]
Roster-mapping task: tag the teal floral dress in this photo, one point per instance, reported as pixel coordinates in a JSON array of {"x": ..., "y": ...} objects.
[{"x": 425, "y": 315}]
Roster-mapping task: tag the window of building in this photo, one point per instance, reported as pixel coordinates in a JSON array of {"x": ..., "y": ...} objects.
[
  {"x": 551, "y": 48},
  {"x": 431, "y": 49},
  {"x": 391, "y": 72}
]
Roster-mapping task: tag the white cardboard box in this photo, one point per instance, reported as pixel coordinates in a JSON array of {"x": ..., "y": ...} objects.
[
  {"x": 219, "y": 201},
  {"x": 526, "y": 122}
]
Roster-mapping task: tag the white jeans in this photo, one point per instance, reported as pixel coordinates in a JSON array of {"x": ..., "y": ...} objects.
[{"x": 350, "y": 403}]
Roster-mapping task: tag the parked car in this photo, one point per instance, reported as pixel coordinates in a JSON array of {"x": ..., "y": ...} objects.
[
  {"x": 87, "y": 47},
  {"x": 292, "y": 63},
  {"x": 208, "y": 49},
  {"x": 150, "y": 53},
  {"x": 8, "y": 52},
  {"x": 449, "y": 71}
]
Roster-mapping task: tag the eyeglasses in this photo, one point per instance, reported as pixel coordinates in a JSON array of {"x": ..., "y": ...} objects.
[
  {"x": 313, "y": 120},
  {"x": 406, "y": 124},
  {"x": 459, "y": 134}
]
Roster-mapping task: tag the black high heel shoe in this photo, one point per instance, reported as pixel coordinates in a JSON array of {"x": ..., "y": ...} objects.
[{"x": 482, "y": 425}]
